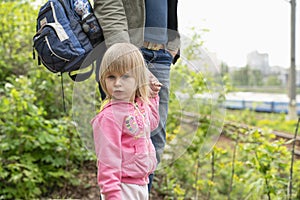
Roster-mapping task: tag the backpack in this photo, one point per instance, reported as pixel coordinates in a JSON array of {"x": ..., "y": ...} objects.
[{"x": 66, "y": 32}]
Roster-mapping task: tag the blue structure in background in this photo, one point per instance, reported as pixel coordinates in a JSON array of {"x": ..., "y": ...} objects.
[{"x": 260, "y": 102}]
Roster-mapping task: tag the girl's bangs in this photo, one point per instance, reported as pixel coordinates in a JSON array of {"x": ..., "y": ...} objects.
[{"x": 131, "y": 62}]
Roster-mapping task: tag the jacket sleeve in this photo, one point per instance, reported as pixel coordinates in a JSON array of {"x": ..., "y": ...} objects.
[
  {"x": 154, "y": 113},
  {"x": 112, "y": 18},
  {"x": 107, "y": 139},
  {"x": 173, "y": 34}
]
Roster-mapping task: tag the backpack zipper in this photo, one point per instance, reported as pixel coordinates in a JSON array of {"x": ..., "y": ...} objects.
[{"x": 48, "y": 44}]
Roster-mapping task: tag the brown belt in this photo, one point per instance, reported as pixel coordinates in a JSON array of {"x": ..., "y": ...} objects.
[{"x": 153, "y": 46}]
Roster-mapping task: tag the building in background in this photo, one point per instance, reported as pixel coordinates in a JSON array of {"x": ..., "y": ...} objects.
[{"x": 259, "y": 61}]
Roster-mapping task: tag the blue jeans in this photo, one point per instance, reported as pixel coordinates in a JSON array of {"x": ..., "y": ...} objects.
[{"x": 159, "y": 63}]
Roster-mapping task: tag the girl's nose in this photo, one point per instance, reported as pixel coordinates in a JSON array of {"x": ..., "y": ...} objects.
[{"x": 118, "y": 82}]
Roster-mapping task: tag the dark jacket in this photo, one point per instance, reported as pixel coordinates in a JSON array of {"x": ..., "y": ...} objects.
[{"x": 124, "y": 21}]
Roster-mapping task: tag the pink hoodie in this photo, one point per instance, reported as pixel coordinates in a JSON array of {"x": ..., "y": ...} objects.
[{"x": 123, "y": 146}]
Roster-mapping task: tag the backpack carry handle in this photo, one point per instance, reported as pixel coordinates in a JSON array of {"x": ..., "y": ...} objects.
[{"x": 92, "y": 61}]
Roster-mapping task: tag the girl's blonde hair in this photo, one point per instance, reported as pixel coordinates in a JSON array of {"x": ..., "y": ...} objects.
[{"x": 123, "y": 58}]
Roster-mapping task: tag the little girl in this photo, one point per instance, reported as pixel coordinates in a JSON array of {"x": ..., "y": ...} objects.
[{"x": 125, "y": 153}]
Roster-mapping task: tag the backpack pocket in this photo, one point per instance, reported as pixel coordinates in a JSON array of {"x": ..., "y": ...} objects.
[
  {"x": 55, "y": 48},
  {"x": 92, "y": 28}
]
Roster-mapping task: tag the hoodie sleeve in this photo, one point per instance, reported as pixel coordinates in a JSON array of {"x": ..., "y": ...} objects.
[
  {"x": 107, "y": 138},
  {"x": 154, "y": 113}
]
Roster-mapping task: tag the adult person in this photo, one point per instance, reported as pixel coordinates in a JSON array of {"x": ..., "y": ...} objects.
[{"x": 152, "y": 26}]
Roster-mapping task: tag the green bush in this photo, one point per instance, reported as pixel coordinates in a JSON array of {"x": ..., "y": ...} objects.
[
  {"x": 250, "y": 164},
  {"x": 40, "y": 148},
  {"x": 37, "y": 154},
  {"x": 16, "y": 32}
]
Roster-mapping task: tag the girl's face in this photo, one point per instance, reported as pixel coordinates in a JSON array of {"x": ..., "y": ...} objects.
[{"x": 121, "y": 86}]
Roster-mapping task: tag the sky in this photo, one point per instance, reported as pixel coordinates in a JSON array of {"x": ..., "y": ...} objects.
[{"x": 238, "y": 27}]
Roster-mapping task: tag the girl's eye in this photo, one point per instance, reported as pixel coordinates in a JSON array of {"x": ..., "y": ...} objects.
[
  {"x": 111, "y": 77},
  {"x": 125, "y": 76}
]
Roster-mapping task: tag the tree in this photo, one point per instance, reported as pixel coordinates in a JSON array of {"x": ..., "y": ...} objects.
[
  {"x": 16, "y": 31},
  {"x": 273, "y": 80}
]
